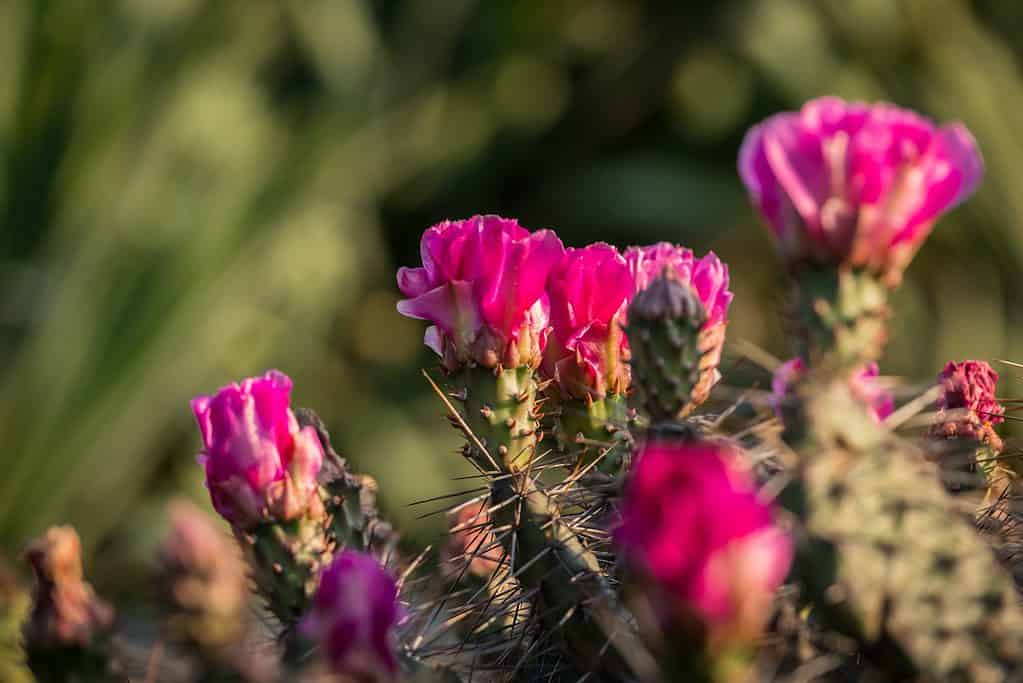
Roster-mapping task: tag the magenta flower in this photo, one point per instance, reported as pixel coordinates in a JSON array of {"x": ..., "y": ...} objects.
[
  {"x": 708, "y": 277},
  {"x": 854, "y": 184},
  {"x": 588, "y": 290},
  {"x": 353, "y": 618},
  {"x": 692, "y": 523},
  {"x": 967, "y": 407},
  {"x": 482, "y": 286},
  {"x": 259, "y": 464},
  {"x": 863, "y": 383}
]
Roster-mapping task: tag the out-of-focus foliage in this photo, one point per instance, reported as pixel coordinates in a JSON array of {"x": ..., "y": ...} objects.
[{"x": 195, "y": 190}]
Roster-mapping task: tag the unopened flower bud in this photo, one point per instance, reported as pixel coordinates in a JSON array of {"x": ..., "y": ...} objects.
[{"x": 260, "y": 465}]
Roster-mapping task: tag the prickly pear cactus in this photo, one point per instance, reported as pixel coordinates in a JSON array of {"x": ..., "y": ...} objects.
[{"x": 891, "y": 562}]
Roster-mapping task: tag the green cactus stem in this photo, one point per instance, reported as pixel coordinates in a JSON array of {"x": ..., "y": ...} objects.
[
  {"x": 668, "y": 358},
  {"x": 589, "y": 430},
  {"x": 888, "y": 560},
  {"x": 499, "y": 416},
  {"x": 285, "y": 560},
  {"x": 840, "y": 315}
]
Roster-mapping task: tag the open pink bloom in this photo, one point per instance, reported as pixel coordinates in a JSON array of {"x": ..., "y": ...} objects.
[
  {"x": 967, "y": 407},
  {"x": 482, "y": 286},
  {"x": 588, "y": 290},
  {"x": 692, "y": 523},
  {"x": 853, "y": 184},
  {"x": 259, "y": 464},
  {"x": 353, "y": 618},
  {"x": 863, "y": 383},
  {"x": 708, "y": 277}
]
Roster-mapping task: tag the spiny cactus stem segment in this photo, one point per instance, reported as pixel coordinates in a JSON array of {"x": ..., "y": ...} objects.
[
  {"x": 841, "y": 316},
  {"x": 285, "y": 559},
  {"x": 884, "y": 544},
  {"x": 590, "y": 429},
  {"x": 547, "y": 556}
]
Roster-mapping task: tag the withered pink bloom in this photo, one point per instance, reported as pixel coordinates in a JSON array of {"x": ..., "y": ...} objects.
[
  {"x": 259, "y": 464},
  {"x": 863, "y": 382},
  {"x": 66, "y": 612},
  {"x": 694, "y": 527},
  {"x": 353, "y": 619},
  {"x": 846, "y": 183},
  {"x": 967, "y": 407},
  {"x": 588, "y": 290},
  {"x": 482, "y": 286}
]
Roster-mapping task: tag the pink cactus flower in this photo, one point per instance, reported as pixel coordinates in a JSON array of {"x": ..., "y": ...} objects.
[
  {"x": 481, "y": 286},
  {"x": 856, "y": 185},
  {"x": 259, "y": 464},
  {"x": 692, "y": 524},
  {"x": 353, "y": 619},
  {"x": 863, "y": 383},
  {"x": 708, "y": 277},
  {"x": 588, "y": 290},
  {"x": 967, "y": 407}
]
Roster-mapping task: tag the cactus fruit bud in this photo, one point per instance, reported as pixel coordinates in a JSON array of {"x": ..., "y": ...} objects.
[
  {"x": 204, "y": 590},
  {"x": 201, "y": 579},
  {"x": 481, "y": 286},
  {"x": 670, "y": 355},
  {"x": 967, "y": 407},
  {"x": 67, "y": 629},
  {"x": 260, "y": 465},
  {"x": 863, "y": 383},
  {"x": 353, "y": 619},
  {"x": 707, "y": 548},
  {"x": 855, "y": 185}
]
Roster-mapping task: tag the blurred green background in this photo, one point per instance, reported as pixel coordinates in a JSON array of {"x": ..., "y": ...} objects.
[{"x": 193, "y": 191}]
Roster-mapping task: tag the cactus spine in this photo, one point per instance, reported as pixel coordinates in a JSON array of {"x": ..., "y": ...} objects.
[{"x": 573, "y": 601}]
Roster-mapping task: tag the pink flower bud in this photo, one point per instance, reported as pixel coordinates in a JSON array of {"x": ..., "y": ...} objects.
[
  {"x": 259, "y": 464},
  {"x": 482, "y": 286},
  {"x": 693, "y": 525},
  {"x": 863, "y": 383},
  {"x": 967, "y": 407},
  {"x": 588, "y": 289},
  {"x": 353, "y": 618},
  {"x": 854, "y": 184}
]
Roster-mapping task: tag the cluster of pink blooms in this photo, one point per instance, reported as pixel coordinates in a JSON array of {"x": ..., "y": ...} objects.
[
  {"x": 692, "y": 522},
  {"x": 259, "y": 464},
  {"x": 967, "y": 407},
  {"x": 841, "y": 185},
  {"x": 863, "y": 382},
  {"x": 353, "y": 618},
  {"x": 496, "y": 294},
  {"x": 261, "y": 467},
  {"x": 856, "y": 185}
]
